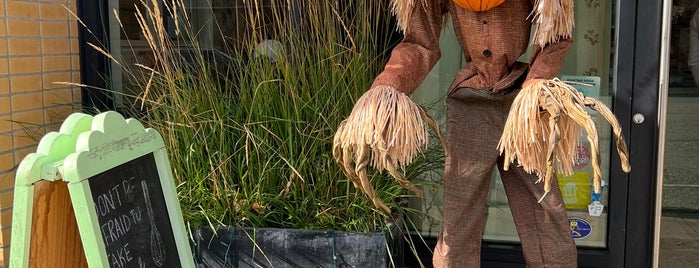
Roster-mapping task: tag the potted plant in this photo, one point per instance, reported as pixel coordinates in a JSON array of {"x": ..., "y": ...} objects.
[{"x": 249, "y": 125}]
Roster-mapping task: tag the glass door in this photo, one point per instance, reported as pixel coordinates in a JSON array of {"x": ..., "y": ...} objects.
[
  {"x": 589, "y": 65},
  {"x": 616, "y": 59}
]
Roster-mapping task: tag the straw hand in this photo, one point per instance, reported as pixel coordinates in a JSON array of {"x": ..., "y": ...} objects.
[
  {"x": 543, "y": 127},
  {"x": 387, "y": 127}
]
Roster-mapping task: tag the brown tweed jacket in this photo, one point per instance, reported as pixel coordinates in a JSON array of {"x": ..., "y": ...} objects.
[{"x": 491, "y": 41}]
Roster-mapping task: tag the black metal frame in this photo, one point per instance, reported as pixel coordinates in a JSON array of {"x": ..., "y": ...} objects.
[
  {"x": 640, "y": 90},
  {"x": 94, "y": 66}
]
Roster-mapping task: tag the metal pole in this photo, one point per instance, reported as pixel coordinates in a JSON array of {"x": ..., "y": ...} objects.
[{"x": 662, "y": 123}]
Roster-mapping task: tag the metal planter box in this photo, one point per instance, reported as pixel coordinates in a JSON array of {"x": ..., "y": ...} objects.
[{"x": 287, "y": 248}]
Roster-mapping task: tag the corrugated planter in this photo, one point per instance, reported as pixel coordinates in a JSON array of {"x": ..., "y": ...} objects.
[{"x": 290, "y": 248}]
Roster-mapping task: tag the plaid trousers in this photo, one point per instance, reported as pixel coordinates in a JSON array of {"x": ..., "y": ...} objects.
[{"x": 475, "y": 121}]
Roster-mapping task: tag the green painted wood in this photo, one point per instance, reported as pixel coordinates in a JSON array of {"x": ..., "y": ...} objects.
[
  {"x": 173, "y": 207},
  {"x": 37, "y": 166},
  {"x": 21, "y": 226},
  {"x": 54, "y": 146},
  {"x": 112, "y": 142}
]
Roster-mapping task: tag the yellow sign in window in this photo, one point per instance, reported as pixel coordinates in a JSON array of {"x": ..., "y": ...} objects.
[{"x": 575, "y": 189}]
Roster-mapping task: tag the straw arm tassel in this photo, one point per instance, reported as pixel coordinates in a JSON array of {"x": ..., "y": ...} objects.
[
  {"x": 542, "y": 130},
  {"x": 554, "y": 20},
  {"x": 388, "y": 127}
]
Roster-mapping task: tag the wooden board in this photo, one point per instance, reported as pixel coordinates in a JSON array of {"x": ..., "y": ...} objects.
[{"x": 54, "y": 227}]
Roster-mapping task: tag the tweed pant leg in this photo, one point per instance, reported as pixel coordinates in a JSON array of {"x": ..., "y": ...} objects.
[
  {"x": 475, "y": 120},
  {"x": 543, "y": 228}
]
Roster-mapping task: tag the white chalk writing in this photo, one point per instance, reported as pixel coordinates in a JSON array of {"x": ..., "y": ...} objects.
[
  {"x": 121, "y": 257},
  {"x": 120, "y": 211},
  {"x": 108, "y": 201},
  {"x": 117, "y": 227}
]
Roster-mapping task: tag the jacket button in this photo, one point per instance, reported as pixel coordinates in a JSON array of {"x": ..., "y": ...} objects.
[
  {"x": 485, "y": 22},
  {"x": 487, "y": 53}
]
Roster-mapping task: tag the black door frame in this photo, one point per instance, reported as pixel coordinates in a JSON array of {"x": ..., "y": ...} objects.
[
  {"x": 94, "y": 66},
  {"x": 638, "y": 93}
]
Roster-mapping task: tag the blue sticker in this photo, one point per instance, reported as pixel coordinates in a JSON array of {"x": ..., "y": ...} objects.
[{"x": 579, "y": 228}]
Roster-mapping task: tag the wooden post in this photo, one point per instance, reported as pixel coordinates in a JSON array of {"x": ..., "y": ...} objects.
[{"x": 55, "y": 241}]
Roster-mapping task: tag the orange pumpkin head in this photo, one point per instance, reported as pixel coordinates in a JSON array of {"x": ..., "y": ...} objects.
[{"x": 478, "y": 5}]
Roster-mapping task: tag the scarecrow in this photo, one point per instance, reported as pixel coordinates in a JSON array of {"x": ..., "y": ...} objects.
[{"x": 499, "y": 112}]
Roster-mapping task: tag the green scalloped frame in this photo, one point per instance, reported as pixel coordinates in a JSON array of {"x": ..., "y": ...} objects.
[
  {"x": 84, "y": 147},
  {"x": 41, "y": 165}
]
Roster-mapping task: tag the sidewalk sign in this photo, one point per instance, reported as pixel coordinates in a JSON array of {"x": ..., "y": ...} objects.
[{"x": 121, "y": 191}]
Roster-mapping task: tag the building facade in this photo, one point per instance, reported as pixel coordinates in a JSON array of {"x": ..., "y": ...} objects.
[{"x": 39, "y": 58}]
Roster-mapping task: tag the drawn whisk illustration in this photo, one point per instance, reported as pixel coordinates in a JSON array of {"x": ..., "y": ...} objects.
[{"x": 157, "y": 247}]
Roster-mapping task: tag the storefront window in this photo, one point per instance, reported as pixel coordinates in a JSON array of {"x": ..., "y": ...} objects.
[
  {"x": 589, "y": 63},
  {"x": 680, "y": 202},
  {"x": 680, "y": 173},
  {"x": 684, "y": 67},
  {"x": 214, "y": 23},
  {"x": 220, "y": 25}
]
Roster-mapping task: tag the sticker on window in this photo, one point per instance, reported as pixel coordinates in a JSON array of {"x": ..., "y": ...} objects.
[{"x": 579, "y": 228}]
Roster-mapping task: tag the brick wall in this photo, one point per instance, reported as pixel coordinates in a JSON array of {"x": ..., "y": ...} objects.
[{"x": 38, "y": 47}]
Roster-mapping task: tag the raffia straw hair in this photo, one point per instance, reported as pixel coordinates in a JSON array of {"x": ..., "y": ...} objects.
[
  {"x": 402, "y": 10},
  {"x": 554, "y": 20},
  {"x": 387, "y": 129},
  {"x": 390, "y": 123},
  {"x": 543, "y": 127}
]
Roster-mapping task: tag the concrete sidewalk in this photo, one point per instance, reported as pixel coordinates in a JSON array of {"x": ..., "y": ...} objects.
[
  {"x": 679, "y": 236},
  {"x": 679, "y": 240}
]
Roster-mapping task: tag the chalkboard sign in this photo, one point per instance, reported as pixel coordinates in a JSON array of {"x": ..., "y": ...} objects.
[
  {"x": 122, "y": 196},
  {"x": 134, "y": 233},
  {"x": 125, "y": 201}
]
